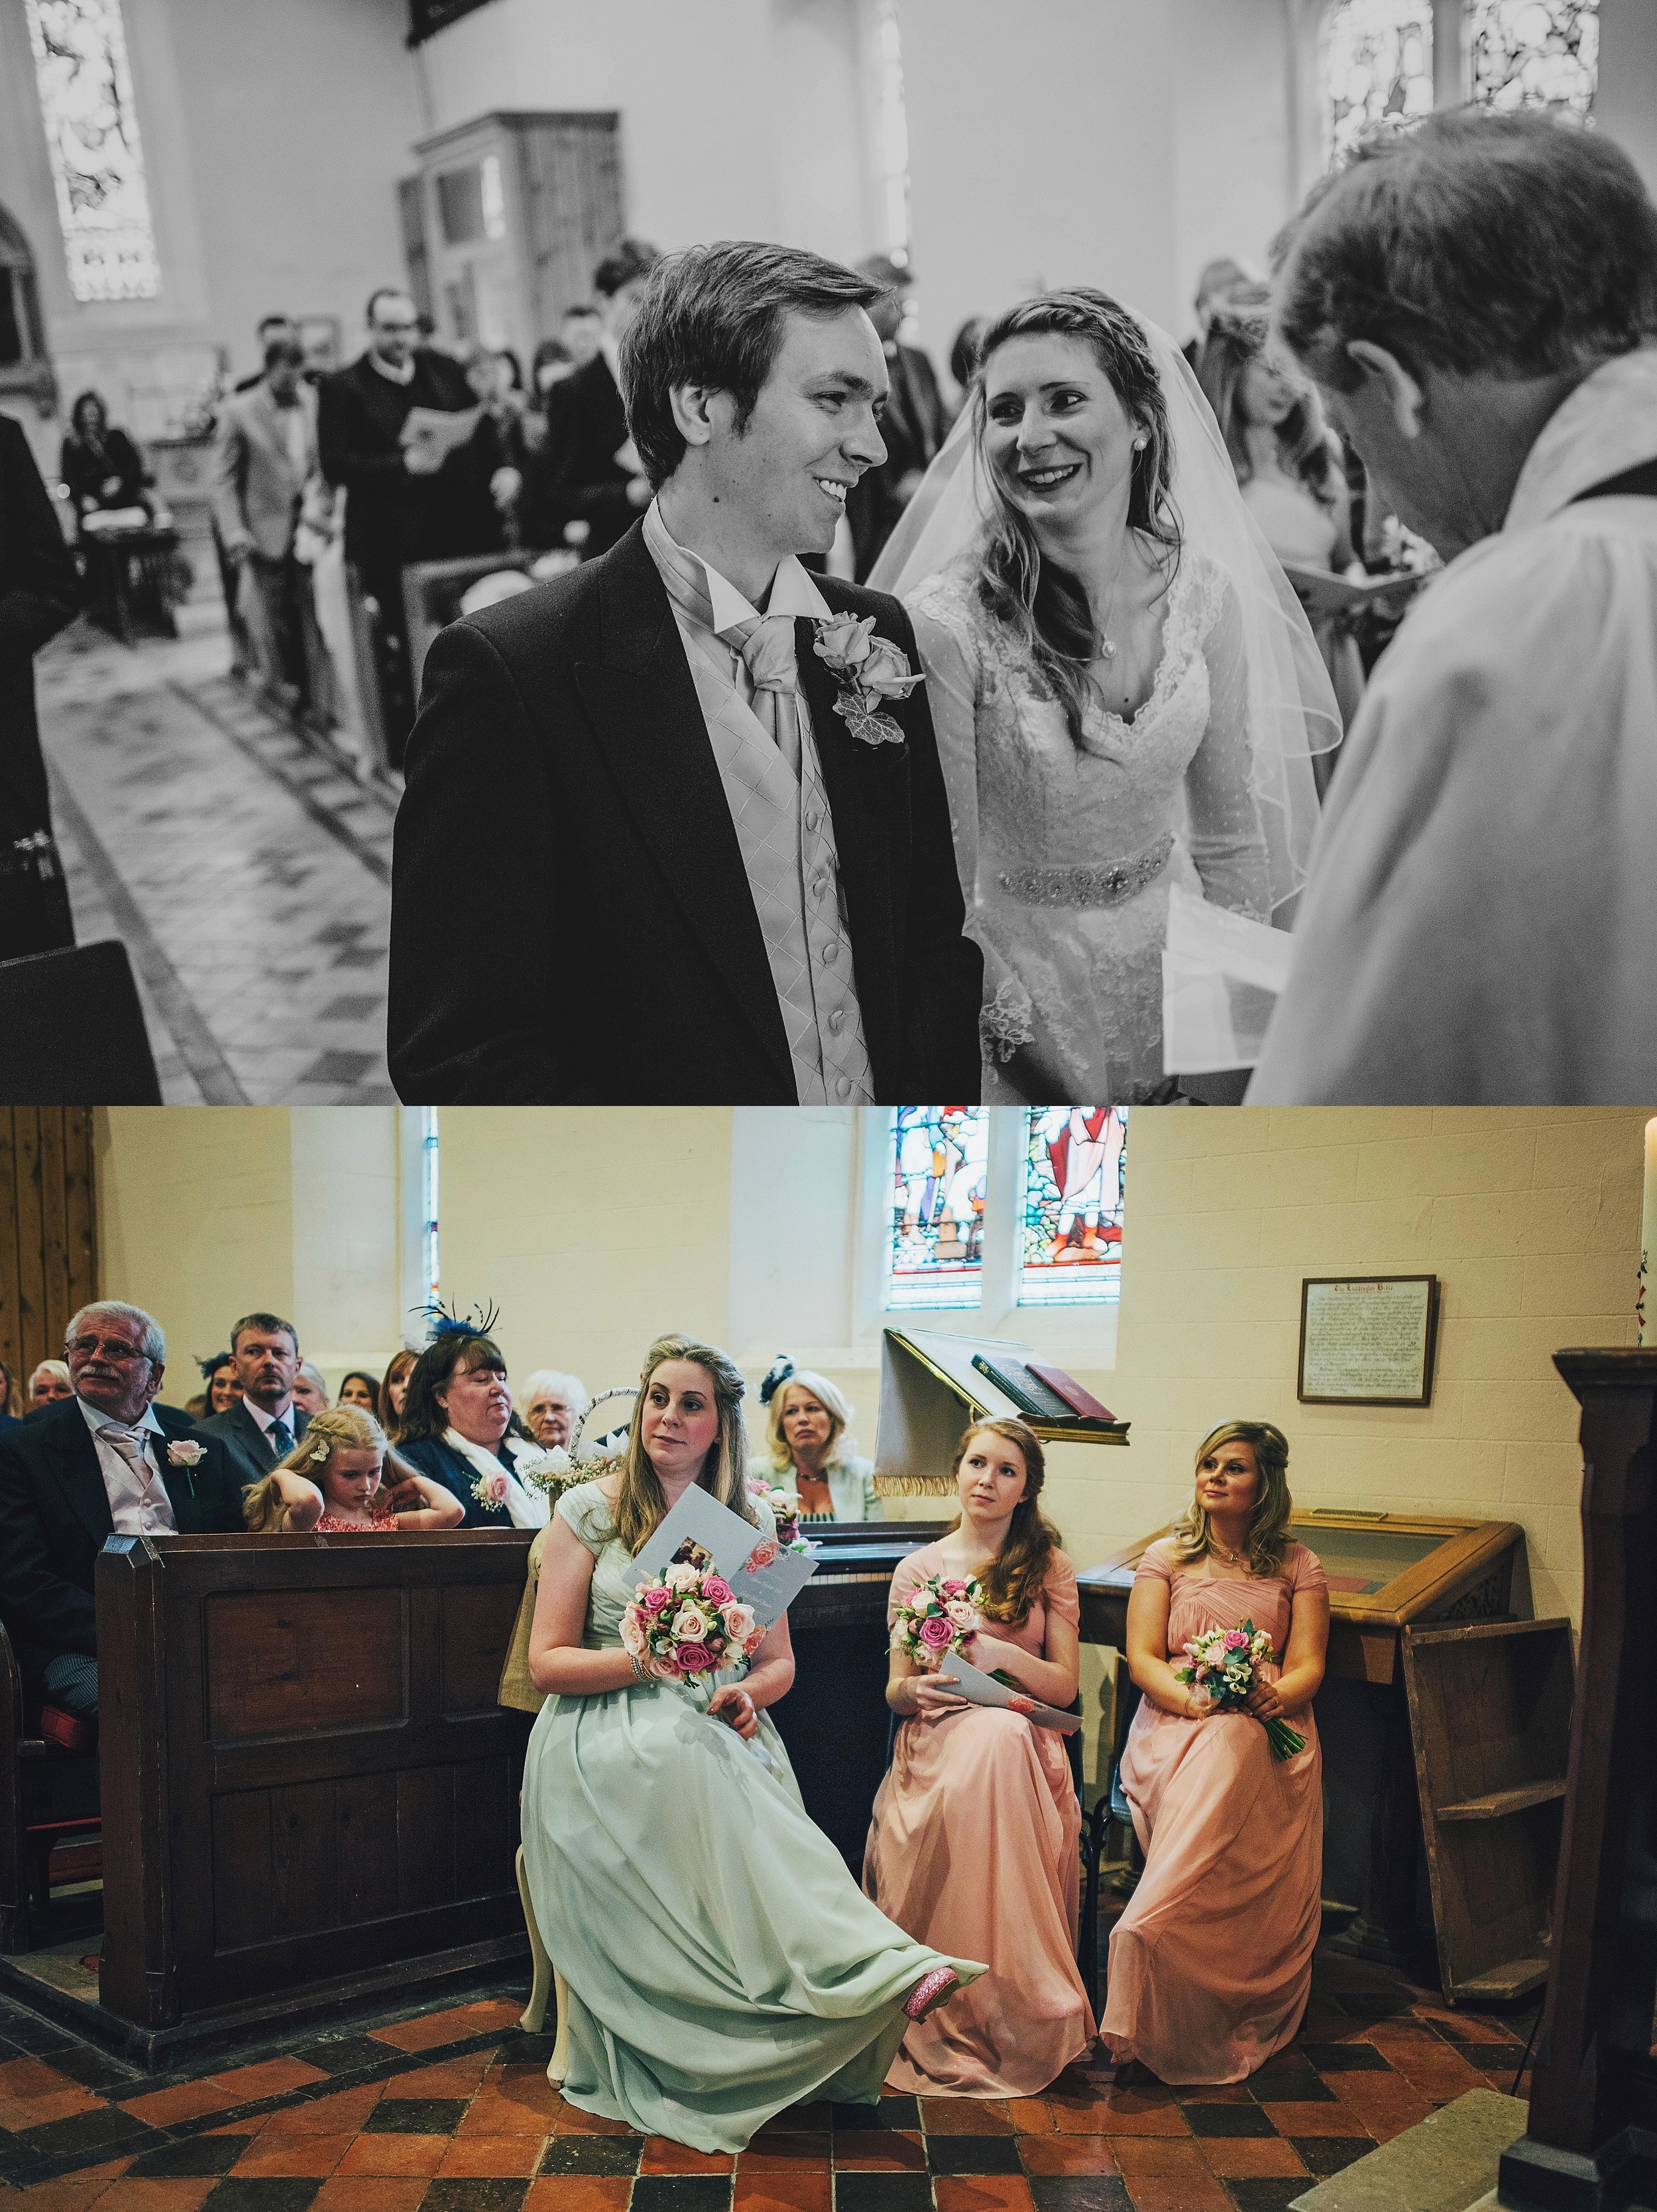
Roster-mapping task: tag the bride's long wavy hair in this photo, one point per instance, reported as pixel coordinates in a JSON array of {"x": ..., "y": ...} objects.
[{"x": 1044, "y": 605}]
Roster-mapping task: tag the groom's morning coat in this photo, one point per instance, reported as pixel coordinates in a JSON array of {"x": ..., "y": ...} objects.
[{"x": 571, "y": 914}]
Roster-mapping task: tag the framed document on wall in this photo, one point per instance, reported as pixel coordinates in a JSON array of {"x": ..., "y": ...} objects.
[{"x": 1367, "y": 1342}]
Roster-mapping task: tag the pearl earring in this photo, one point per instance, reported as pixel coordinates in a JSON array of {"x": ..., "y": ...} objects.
[{"x": 1139, "y": 445}]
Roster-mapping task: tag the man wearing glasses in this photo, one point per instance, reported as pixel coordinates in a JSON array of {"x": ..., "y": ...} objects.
[
  {"x": 363, "y": 411},
  {"x": 106, "y": 1461}
]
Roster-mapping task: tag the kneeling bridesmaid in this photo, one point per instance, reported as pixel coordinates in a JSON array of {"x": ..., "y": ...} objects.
[
  {"x": 1211, "y": 1964},
  {"x": 974, "y": 1844}
]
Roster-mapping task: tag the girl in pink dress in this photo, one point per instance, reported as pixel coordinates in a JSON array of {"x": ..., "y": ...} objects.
[
  {"x": 1210, "y": 1966},
  {"x": 974, "y": 1846},
  {"x": 330, "y": 1484}
]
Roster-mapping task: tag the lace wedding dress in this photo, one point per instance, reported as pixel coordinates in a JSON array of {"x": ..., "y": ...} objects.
[{"x": 1066, "y": 852}]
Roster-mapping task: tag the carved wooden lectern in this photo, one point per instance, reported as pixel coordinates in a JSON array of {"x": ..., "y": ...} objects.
[{"x": 1591, "y": 2145}]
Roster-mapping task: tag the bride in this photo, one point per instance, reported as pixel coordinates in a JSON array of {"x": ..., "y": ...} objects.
[{"x": 1126, "y": 693}]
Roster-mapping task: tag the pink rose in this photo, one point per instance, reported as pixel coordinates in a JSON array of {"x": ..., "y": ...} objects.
[
  {"x": 963, "y": 1616},
  {"x": 886, "y": 671},
  {"x": 716, "y": 1589},
  {"x": 936, "y": 1631},
  {"x": 693, "y": 1659},
  {"x": 495, "y": 1488},
  {"x": 632, "y": 1635},
  {"x": 739, "y": 1621},
  {"x": 1235, "y": 1640},
  {"x": 753, "y": 1643},
  {"x": 763, "y": 1555},
  {"x": 186, "y": 1454},
  {"x": 955, "y": 1589},
  {"x": 656, "y": 1601},
  {"x": 691, "y": 1624},
  {"x": 844, "y": 642}
]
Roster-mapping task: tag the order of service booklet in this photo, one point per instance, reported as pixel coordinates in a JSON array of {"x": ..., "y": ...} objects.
[
  {"x": 700, "y": 1529},
  {"x": 981, "y": 1689}
]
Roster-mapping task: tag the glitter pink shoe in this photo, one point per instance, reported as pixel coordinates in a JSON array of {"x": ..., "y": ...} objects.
[{"x": 930, "y": 1991}]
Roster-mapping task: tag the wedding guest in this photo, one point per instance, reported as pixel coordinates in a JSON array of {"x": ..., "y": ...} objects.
[
  {"x": 665, "y": 1878},
  {"x": 973, "y": 1842},
  {"x": 99, "y": 462},
  {"x": 473, "y": 500},
  {"x": 964, "y": 351},
  {"x": 646, "y": 721},
  {"x": 1290, "y": 470},
  {"x": 48, "y": 1382},
  {"x": 223, "y": 1383},
  {"x": 808, "y": 1436},
  {"x": 310, "y": 1391},
  {"x": 267, "y": 331},
  {"x": 266, "y": 1421},
  {"x": 394, "y": 1390},
  {"x": 1218, "y": 279},
  {"x": 589, "y": 476},
  {"x": 264, "y": 453},
  {"x": 912, "y": 428},
  {"x": 1210, "y": 1966},
  {"x": 553, "y": 1405},
  {"x": 458, "y": 1427},
  {"x": 1476, "y": 298},
  {"x": 9, "y": 1398},
  {"x": 362, "y": 412},
  {"x": 1127, "y": 694},
  {"x": 104, "y": 1460},
  {"x": 580, "y": 329},
  {"x": 40, "y": 592},
  {"x": 357, "y": 1389},
  {"x": 330, "y": 1484}
]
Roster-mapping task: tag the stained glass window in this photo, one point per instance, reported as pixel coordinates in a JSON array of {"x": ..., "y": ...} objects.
[
  {"x": 92, "y": 138},
  {"x": 1378, "y": 65},
  {"x": 1534, "y": 54},
  {"x": 939, "y": 1172},
  {"x": 1070, "y": 1206},
  {"x": 429, "y": 1268}
]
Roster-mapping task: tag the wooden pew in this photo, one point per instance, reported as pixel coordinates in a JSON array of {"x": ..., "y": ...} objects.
[{"x": 310, "y": 1793}]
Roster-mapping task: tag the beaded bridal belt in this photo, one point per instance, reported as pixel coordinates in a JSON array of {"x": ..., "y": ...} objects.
[{"x": 1088, "y": 886}]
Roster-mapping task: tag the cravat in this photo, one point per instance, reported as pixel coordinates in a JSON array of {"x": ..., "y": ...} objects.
[
  {"x": 766, "y": 645},
  {"x": 129, "y": 1443},
  {"x": 280, "y": 1438}
]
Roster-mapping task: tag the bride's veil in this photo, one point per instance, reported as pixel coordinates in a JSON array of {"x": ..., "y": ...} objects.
[{"x": 1292, "y": 710}]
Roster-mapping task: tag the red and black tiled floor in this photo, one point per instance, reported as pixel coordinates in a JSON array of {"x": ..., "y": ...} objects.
[{"x": 450, "y": 2111}]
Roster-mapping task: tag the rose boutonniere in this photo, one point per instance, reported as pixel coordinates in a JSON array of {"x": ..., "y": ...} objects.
[
  {"x": 869, "y": 670},
  {"x": 188, "y": 1455}
]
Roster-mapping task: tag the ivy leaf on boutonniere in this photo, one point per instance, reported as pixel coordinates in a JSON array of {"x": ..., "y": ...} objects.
[{"x": 869, "y": 670}]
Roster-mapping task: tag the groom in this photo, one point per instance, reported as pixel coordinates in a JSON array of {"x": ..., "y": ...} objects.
[{"x": 675, "y": 830}]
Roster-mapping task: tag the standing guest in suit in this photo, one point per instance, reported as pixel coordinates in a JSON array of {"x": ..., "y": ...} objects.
[
  {"x": 912, "y": 427},
  {"x": 264, "y": 454},
  {"x": 49, "y": 1383},
  {"x": 362, "y": 412},
  {"x": 264, "y": 1424},
  {"x": 39, "y": 593},
  {"x": 581, "y": 480},
  {"x": 267, "y": 331},
  {"x": 685, "y": 722},
  {"x": 106, "y": 1461},
  {"x": 459, "y": 1428}
]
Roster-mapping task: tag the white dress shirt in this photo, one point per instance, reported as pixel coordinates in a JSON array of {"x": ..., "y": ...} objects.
[{"x": 137, "y": 1507}]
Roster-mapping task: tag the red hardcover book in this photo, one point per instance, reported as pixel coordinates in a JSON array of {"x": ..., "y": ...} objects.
[{"x": 1078, "y": 1399}]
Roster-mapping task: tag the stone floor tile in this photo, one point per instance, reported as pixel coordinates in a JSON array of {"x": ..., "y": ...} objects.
[
  {"x": 988, "y": 2192},
  {"x": 292, "y": 2154},
  {"x": 1058, "y": 2154},
  {"x": 660, "y": 2154},
  {"x": 878, "y": 2150},
  {"x": 491, "y": 2155}
]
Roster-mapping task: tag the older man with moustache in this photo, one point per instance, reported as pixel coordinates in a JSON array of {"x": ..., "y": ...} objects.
[
  {"x": 1477, "y": 299},
  {"x": 106, "y": 1461}
]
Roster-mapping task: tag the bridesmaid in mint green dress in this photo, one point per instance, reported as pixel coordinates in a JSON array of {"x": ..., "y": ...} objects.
[{"x": 721, "y": 1963}]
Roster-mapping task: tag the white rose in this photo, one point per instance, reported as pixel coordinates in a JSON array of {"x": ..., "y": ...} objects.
[{"x": 691, "y": 1624}]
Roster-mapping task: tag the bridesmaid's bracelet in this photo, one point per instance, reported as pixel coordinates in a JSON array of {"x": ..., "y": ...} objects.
[{"x": 640, "y": 1671}]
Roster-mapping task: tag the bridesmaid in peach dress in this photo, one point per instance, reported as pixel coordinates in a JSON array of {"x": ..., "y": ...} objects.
[
  {"x": 974, "y": 1846},
  {"x": 1210, "y": 1966}
]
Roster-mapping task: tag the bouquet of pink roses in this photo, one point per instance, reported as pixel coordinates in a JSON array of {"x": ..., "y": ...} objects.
[
  {"x": 942, "y": 1615},
  {"x": 785, "y": 1511},
  {"x": 1222, "y": 1664},
  {"x": 687, "y": 1623}
]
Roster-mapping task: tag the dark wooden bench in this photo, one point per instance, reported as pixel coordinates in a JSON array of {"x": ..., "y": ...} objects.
[{"x": 47, "y": 1797}]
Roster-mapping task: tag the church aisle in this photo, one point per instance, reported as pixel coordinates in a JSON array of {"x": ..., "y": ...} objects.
[
  {"x": 449, "y": 2110},
  {"x": 245, "y": 867}
]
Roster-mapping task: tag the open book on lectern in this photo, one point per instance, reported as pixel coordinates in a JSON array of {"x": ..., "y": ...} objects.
[{"x": 702, "y": 1532}]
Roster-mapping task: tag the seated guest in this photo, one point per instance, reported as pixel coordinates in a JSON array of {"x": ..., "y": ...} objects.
[
  {"x": 808, "y": 1431},
  {"x": 48, "y": 1383},
  {"x": 1211, "y": 1963},
  {"x": 1474, "y": 298},
  {"x": 553, "y": 1405},
  {"x": 357, "y": 1389},
  {"x": 10, "y": 1397},
  {"x": 106, "y": 1461},
  {"x": 394, "y": 1390},
  {"x": 458, "y": 1427},
  {"x": 721, "y": 1962},
  {"x": 100, "y": 464},
  {"x": 585, "y": 477},
  {"x": 330, "y": 1483},
  {"x": 223, "y": 1384},
  {"x": 266, "y": 1422},
  {"x": 973, "y": 1842},
  {"x": 310, "y": 1391},
  {"x": 1219, "y": 278}
]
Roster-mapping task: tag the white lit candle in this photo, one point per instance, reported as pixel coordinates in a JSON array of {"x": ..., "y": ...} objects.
[{"x": 1648, "y": 1242}]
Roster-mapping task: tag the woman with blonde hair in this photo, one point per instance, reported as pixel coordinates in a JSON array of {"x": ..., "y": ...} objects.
[
  {"x": 973, "y": 1842},
  {"x": 330, "y": 1483},
  {"x": 1210, "y": 1965},
  {"x": 808, "y": 1436},
  {"x": 721, "y": 1963}
]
